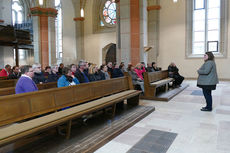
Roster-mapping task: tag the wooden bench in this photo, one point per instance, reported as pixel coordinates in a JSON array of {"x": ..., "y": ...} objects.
[
  {"x": 153, "y": 80},
  {"x": 11, "y": 90},
  {"x": 8, "y": 83},
  {"x": 3, "y": 78},
  {"x": 83, "y": 99}
]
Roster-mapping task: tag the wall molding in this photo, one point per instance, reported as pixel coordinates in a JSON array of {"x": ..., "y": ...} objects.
[
  {"x": 38, "y": 11},
  {"x": 153, "y": 7}
]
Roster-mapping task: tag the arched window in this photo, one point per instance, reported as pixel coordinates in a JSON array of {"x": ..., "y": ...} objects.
[
  {"x": 109, "y": 13},
  {"x": 58, "y": 25},
  {"x": 17, "y": 12}
]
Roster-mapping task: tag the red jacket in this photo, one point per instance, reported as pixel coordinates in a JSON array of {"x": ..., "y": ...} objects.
[
  {"x": 139, "y": 72},
  {"x": 3, "y": 73}
]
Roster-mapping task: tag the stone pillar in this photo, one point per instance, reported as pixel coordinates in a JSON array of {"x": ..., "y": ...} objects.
[
  {"x": 44, "y": 35},
  {"x": 52, "y": 41},
  {"x": 143, "y": 30},
  {"x": 131, "y": 28},
  {"x": 79, "y": 30},
  {"x": 153, "y": 29},
  {"x": 125, "y": 33}
]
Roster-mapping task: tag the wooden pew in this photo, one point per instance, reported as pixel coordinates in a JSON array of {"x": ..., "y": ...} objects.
[
  {"x": 153, "y": 80},
  {"x": 84, "y": 99},
  {"x": 3, "y": 78},
  {"x": 8, "y": 83},
  {"x": 11, "y": 90}
]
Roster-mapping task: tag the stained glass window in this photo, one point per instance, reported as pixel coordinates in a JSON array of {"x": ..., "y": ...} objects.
[{"x": 109, "y": 12}]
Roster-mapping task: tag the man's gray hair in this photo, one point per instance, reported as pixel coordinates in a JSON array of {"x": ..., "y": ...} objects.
[{"x": 36, "y": 65}]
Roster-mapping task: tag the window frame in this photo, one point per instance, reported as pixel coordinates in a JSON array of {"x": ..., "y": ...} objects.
[
  {"x": 58, "y": 52},
  {"x": 223, "y": 42}
]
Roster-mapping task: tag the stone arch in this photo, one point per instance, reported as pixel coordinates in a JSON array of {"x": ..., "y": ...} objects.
[{"x": 109, "y": 53}]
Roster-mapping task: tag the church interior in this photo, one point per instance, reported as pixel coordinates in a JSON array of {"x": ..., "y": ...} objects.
[{"x": 134, "y": 104}]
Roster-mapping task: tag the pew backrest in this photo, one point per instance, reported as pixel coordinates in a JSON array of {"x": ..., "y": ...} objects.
[
  {"x": 8, "y": 83},
  {"x": 11, "y": 90},
  {"x": 150, "y": 77},
  {"x": 14, "y": 108}
]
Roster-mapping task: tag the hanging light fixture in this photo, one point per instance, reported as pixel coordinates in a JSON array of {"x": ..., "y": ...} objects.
[
  {"x": 82, "y": 12},
  {"x": 174, "y": 1},
  {"x": 40, "y": 2}
]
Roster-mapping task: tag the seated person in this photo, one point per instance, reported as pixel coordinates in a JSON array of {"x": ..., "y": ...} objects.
[
  {"x": 15, "y": 74},
  {"x": 61, "y": 66},
  {"x": 38, "y": 74},
  {"x": 110, "y": 68},
  {"x": 174, "y": 73},
  {"x": 135, "y": 79},
  {"x": 80, "y": 73},
  {"x": 91, "y": 73},
  {"x": 122, "y": 67},
  {"x": 67, "y": 79},
  {"x": 149, "y": 68},
  {"x": 117, "y": 72},
  {"x": 53, "y": 76},
  {"x": 25, "y": 82},
  {"x": 104, "y": 70},
  {"x": 98, "y": 74},
  {"x": 155, "y": 68},
  {"x": 47, "y": 71},
  {"x": 139, "y": 69},
  {"x": 73, "y": 68},
  {"x": 6, "y": 71}
]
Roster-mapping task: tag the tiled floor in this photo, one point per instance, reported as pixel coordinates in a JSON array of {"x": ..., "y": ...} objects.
[{"x": 198, "y": 132}]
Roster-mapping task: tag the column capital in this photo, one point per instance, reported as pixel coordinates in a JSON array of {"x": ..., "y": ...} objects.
[
  {"x": 38, "y": 11},
  {"x": 153, "y": 7},
  {"x": 79, "y": 19}
]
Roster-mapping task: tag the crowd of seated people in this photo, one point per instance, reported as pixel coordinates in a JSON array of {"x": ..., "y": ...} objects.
[{"x": 85, "y": 72}]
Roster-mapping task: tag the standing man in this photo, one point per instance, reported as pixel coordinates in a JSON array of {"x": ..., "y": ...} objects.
[{"x": 25, "y": 82}]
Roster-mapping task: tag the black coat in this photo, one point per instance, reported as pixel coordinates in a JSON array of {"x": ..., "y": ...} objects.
[
  {"x": 79, "y": 75},
  {"x": 117, "y": 73},
  {"x": 14, "y": 75},
  {"x": 52, "y": 77},
  {"x": 39, "y": 77}
]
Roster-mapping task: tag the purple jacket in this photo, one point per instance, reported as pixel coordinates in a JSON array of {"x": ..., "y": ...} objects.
[{"x": 25, "y": 84}]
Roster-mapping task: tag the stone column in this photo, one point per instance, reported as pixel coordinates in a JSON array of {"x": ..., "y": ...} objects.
[
  {"x": 125, "y": 34},
  {"x": 79, "y": 30},
  {"x": 153, "y": 29},
  {"x": 44, "y": 35},
  {"x": 132, "y": 35}
]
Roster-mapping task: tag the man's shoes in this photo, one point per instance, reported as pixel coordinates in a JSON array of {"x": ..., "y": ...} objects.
[{"x": 206, "y": 109}]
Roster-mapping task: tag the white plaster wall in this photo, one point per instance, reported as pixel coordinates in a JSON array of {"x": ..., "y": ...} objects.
[
  {"x": 69, "y": 33},
  {"x": 93, "y": 43},
  {"x": 5, "y": 9},
  {"x": 6, "y": 53},
  {"x": 172, "y": 42}
]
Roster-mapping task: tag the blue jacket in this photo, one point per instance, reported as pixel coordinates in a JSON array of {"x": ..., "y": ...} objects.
[{"x": 63, "y": 82}]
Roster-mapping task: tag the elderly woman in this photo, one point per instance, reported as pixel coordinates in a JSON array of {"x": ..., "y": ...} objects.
[{"x": 207, "y": 79}]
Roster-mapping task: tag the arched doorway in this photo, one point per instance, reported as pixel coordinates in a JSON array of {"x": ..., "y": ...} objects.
[{"x": 109, "y": 53}]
